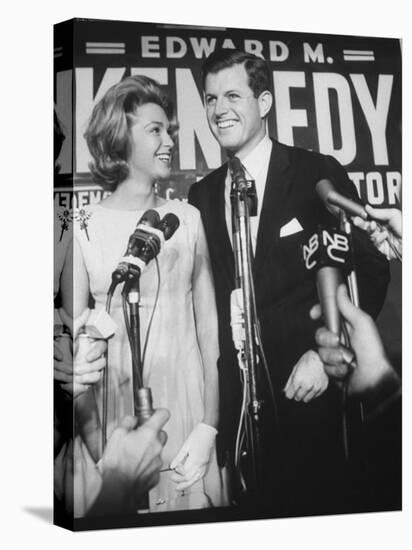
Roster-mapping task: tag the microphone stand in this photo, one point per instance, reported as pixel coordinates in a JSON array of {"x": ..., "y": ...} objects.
[
  {"x": 142, "y": 397},
  {"x": 132, "y": 293},
  {"x": 352, "y": 281},
  {"x": 248, "y": 352},
  {"x": 143, "y": 246}
]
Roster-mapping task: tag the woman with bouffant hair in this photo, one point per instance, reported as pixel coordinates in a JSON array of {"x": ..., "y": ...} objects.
[
  {"x": 108, "y": 132},
  {"x": 130, "y": 138}
]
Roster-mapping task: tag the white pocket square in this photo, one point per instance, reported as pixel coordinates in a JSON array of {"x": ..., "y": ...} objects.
[{"x": 290, "y": 228}]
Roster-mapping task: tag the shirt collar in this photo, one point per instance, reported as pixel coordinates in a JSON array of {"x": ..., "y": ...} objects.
[{"x": 257, "y": 159}]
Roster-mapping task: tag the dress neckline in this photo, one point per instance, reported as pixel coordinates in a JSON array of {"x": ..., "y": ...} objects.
[{"x": 134, "y": 212}]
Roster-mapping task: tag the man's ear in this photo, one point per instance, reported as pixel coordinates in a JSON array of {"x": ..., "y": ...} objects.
[{"x": 265, "y": 101}]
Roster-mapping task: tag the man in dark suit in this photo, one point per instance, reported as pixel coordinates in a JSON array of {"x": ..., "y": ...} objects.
[{"x": 304, "y": 462}]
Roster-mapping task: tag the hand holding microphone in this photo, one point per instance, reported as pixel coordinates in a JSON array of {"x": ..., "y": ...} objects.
[
  {"x": 79, "y": 358},
  {"x": 130, "y": 464},
  {"x": 386, "y": 235},
  {"x": 335, "y": 201},
  {"x": 327, "y": 256},
  {"x": 372, "y": 363}
]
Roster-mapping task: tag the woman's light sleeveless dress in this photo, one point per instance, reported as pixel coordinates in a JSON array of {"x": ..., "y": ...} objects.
[{"x": 172, "y": 367}]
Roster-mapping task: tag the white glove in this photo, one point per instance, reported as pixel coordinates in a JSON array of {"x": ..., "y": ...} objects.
[{"x": 190, "y": 463}]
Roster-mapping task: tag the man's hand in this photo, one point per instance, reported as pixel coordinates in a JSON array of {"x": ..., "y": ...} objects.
[
  {"x": 391, "y": 234},
  {"x": 308, "y": 379},
  {"x": 133, "y": 455},
  {"x": 371, "y": 360},
  {"x": 76, "y": 378}
]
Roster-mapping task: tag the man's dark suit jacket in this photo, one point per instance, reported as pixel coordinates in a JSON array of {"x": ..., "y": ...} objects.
[{"x": 310, "y": 434}]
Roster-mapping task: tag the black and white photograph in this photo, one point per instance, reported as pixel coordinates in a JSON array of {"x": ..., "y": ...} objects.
[
  {"x": 228, "y": 255},
  {"x": 215, "y": 194}
]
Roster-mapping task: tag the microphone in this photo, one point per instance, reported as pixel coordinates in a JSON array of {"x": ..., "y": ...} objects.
[
  {"x": 327, "y": 255},
  {"x": 155, "y": 238},
  {"x": 168, "y": 225},
  {"x": 152, "y": 240},
  {"x": 334, "y": 201},
  {"x": 241, "y": 185},
  {"x": 332, "y": 198},
  {"x": 144, "y": 245},
  {"x": 238, "y": 173},
  {"x": 149, "y": 220}
]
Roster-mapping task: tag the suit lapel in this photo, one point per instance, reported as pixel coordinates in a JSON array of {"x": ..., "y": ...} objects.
[
  {"x": 274, "y": 209},
  {"x": 222, "y": 245}
]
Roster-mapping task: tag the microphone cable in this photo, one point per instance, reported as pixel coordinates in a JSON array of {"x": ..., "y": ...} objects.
[
  {"x": 257, "y": 330},
  {"x": 267, "y": 372},
  {"x": 242, "y": 426},
  {"x": 149, "y": 326},
  {"x": 240, "y": 435},
  {"x": 106, "y": 381},
  {"x": 152, "y": 245},
  {"x": 345, "y": 421},
  {"x": 242, "y": 432}
]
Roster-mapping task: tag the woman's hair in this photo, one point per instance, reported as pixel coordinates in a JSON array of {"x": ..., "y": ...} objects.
[{"x": 108, "y": 130}]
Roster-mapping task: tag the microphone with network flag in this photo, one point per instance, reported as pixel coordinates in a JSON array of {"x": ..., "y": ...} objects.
[{"x": 327, "y": 256}]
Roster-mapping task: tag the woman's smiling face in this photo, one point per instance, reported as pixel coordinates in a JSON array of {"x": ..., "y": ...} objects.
[{"x": 150, "y": 143}]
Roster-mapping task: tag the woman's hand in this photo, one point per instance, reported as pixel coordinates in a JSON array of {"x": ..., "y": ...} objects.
[{"x": 190, "y": 463}]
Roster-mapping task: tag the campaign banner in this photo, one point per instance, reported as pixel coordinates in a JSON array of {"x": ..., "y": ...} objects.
[{"x": 339, "y": 95}]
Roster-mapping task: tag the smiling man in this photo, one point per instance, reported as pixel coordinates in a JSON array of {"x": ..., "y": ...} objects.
[
  {"x": 236, "y": 116},
  {"x": 303, "y": 466}
]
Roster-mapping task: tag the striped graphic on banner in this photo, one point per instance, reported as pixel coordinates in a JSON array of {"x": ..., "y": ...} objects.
[
  {"x": 190, "y": 27},
  {"x": 105, "y": 47},
  {"x": 358, "y": 55},
  {"x": 58, "y": 51}
]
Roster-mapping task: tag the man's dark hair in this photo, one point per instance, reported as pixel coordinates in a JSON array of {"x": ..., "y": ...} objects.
[{"x": 256, "y": 67}]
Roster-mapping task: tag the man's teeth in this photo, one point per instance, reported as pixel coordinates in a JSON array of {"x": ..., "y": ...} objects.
[
  {"x": 164, "y": 157},
  {"x": 225, "y": 124}
]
